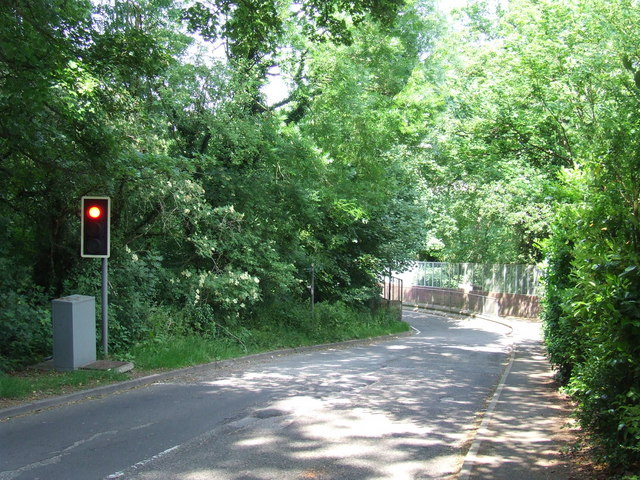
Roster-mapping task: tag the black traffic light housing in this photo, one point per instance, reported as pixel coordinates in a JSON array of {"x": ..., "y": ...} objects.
[{"x": 95, "y": 227}]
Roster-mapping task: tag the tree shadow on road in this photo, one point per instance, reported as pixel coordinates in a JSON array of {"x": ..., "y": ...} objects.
[
  {"x": 530, "y": 430},
  {"x": 401, "y": 409}
]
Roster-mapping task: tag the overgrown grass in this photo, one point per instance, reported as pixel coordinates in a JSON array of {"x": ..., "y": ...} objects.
[
  {"x": 275, "y": 328},
  {"x": 178, "y": 352},
  {"x": 35, "y": 384}
]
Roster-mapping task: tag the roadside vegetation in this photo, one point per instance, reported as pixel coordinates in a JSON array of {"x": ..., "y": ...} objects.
[
  {"x": 504, "y": 132},
  {"x": 28, "y": 385},
  {"x": 553, "y": 88},
  {"x": 223, "y": 200},
  {"x": 329, "y": 323}
]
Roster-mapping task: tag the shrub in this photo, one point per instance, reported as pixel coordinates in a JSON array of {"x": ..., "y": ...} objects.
[
  {"x": 25, "y": 318},
  {"x": 592, "y": 322}
]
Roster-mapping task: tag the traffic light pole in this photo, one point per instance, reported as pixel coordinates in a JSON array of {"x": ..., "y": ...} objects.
[
  {"x": 105, "y": 309},
  {"x": 95, "y": 242}
]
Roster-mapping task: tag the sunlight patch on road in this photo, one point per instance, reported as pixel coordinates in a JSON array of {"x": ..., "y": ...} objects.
[{"x": 354, "y": 437}]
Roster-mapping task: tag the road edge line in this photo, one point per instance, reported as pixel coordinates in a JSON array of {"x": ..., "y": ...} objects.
[{"x": 482, "y": 433}]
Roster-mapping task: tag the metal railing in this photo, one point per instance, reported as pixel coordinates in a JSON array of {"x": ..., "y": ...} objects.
[
  {"x": 392, "y": 289},
  {"x": 499, "y": 278}
]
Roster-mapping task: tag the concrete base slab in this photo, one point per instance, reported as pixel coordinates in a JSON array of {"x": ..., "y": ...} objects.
[{"x": 109, "y": 365}]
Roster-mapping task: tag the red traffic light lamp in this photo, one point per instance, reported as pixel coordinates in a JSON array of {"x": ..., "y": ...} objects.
[
  {"x": 95, "y": 227},
  {"x": 94, "y": 212}
]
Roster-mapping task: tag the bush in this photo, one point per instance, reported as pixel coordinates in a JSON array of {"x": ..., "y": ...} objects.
[
  {"x": 592, "y": 322},
  {"x": 133, "y": 284},
  {"x": 559, "y": 323},
  {"x": 25, "y": 318}
]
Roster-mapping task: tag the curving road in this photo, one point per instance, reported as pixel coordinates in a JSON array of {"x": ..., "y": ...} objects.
[{"x": 403, "y": 408}]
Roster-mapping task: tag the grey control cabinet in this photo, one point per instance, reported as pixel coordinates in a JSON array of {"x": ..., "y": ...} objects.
[{"x": 74, "y": 332}]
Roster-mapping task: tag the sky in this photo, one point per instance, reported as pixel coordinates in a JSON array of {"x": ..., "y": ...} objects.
[{"x": 448, "y": 5}]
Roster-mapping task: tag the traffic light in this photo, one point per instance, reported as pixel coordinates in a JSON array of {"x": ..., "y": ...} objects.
[{"x": 94, "y": 227}]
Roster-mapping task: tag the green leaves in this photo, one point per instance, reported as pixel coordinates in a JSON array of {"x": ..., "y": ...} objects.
[
  {"x": 593, "y": 325},
  {"x": 219, "y": 206},
  {"x": 537, "y": 141},
  {"x": 252, "y": 29}
]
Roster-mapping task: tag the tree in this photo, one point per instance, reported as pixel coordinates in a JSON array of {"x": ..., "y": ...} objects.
[
  {"x": 351, "y": 99},
  {"x": 219, "y": 206},
  {"x": 582, "y": 114},
  {"x": 54, "y": 144},
  {"x": 490, "y": 152}
]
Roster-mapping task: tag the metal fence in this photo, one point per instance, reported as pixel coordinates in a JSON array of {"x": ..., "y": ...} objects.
[
  {"x": 498, "y": 278},
  {"x": 392, "y": 289}
]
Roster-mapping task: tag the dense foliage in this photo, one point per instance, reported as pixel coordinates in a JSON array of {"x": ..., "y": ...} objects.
[
  {"x": 542, "y": 126},
  {"x": 593, "y": 290},
  {"x": 222, "y": 201}
]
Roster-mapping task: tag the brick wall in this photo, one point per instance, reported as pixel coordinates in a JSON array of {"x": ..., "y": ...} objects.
[{"x": 500, "y": 304}]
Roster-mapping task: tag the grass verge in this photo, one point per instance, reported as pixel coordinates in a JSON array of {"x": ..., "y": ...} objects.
[
  {"x": 34, "y": 384},
  {"x": 331, "y": 324}
]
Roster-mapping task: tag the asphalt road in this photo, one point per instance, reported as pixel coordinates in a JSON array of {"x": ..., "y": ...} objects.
[{"x": 405, "y": 408}]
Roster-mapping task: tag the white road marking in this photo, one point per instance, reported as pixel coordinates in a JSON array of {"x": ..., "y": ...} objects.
[
  {"x": 141, "y": 464},
  {"x": 483, "y": 431}
]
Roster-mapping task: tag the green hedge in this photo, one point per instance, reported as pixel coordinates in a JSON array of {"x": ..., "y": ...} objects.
[{"x": 592, "y": 322}]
